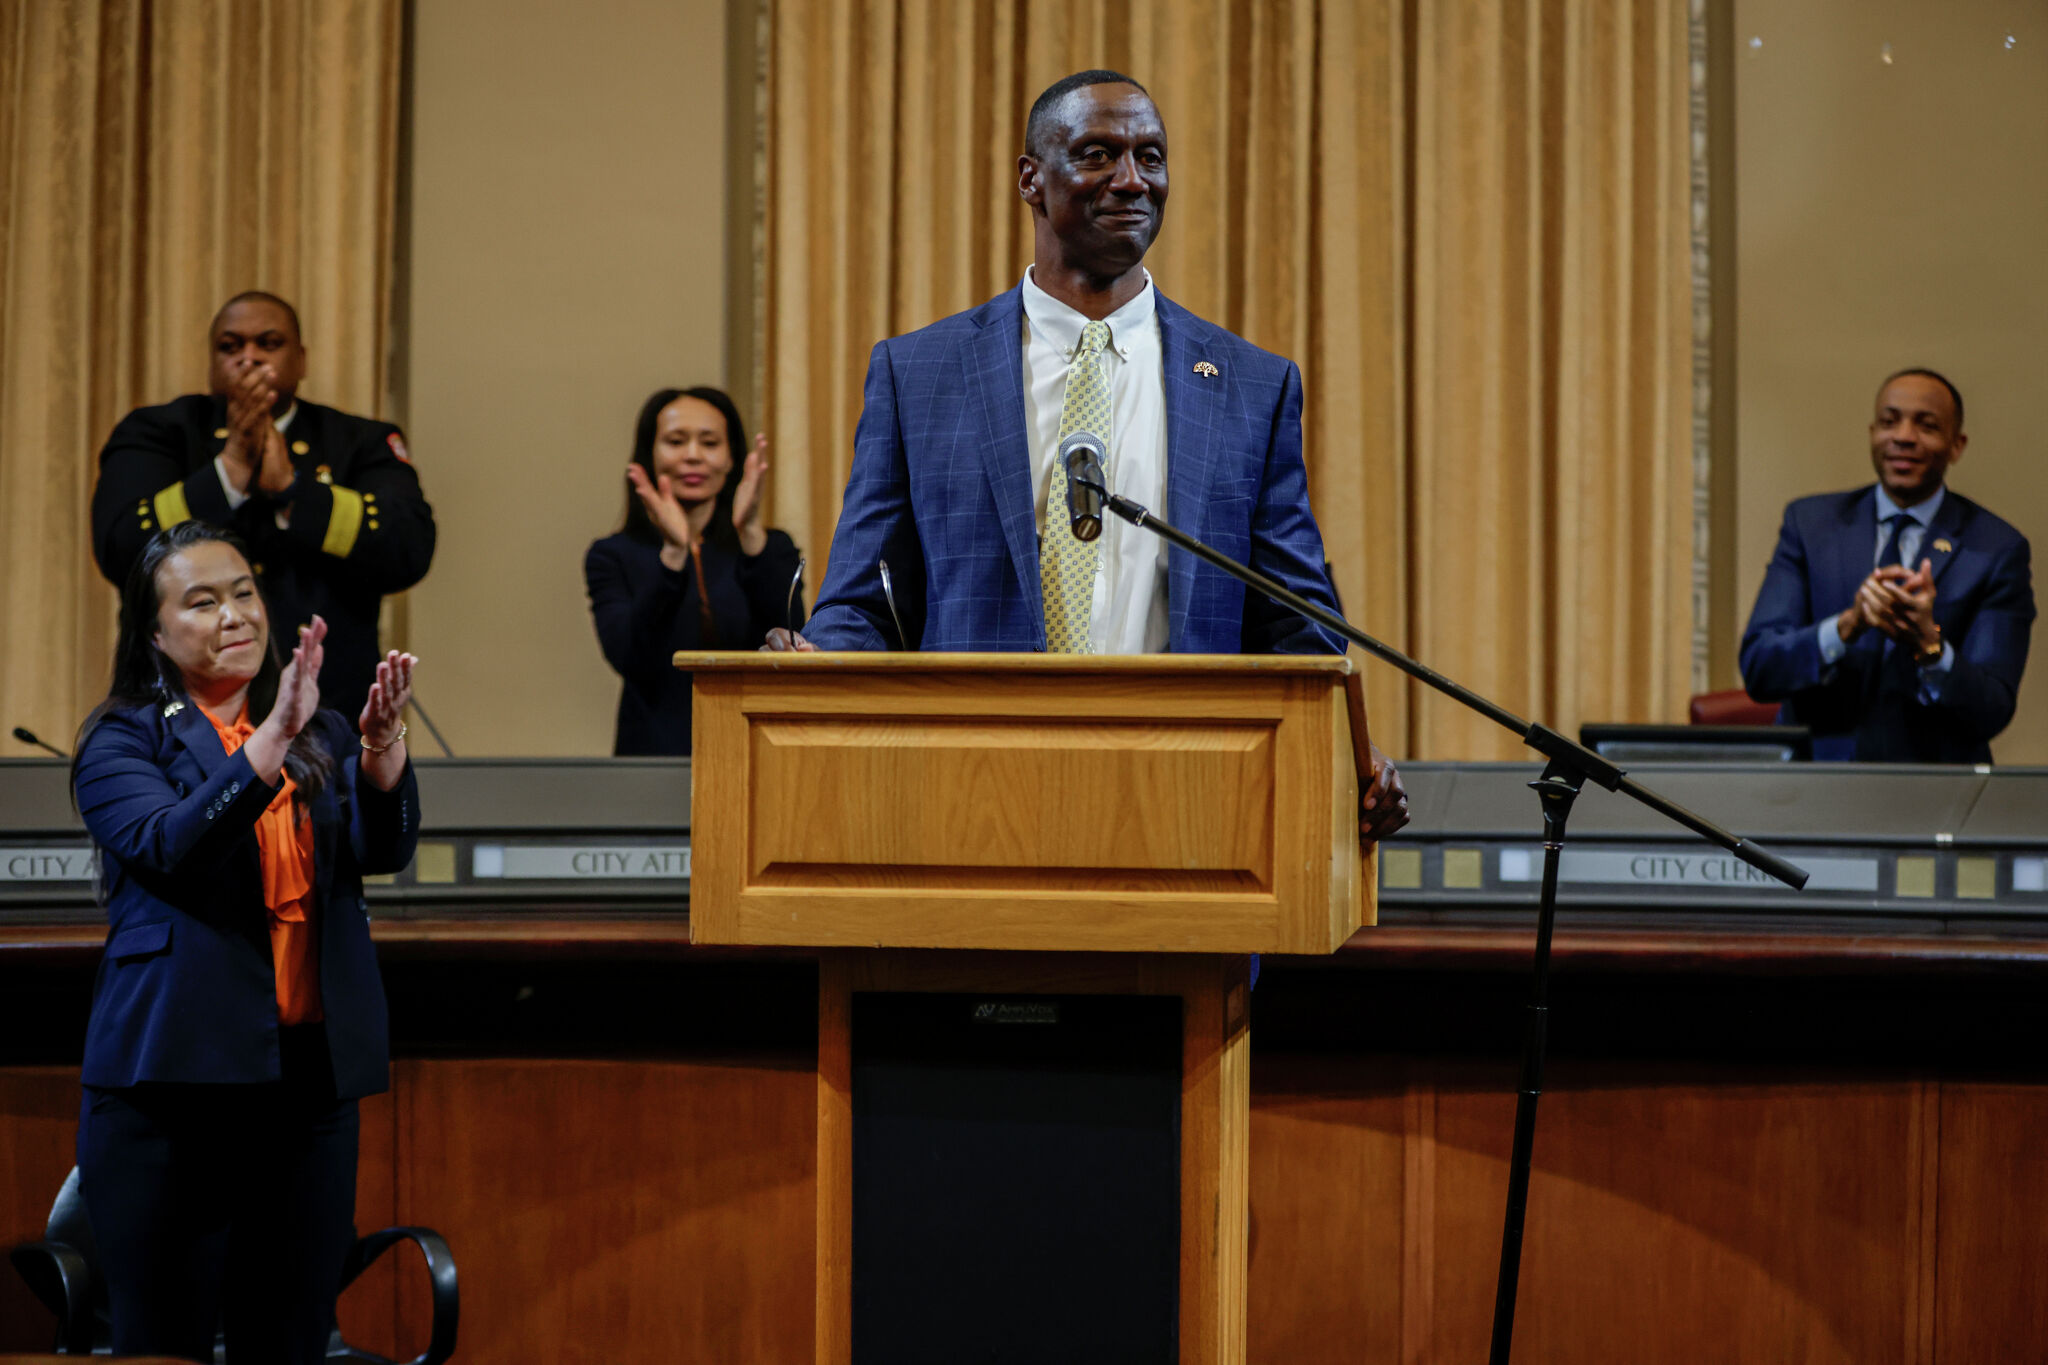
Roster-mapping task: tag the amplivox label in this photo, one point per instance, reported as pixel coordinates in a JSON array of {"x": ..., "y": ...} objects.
[
  {"x": 581, "y": 862},
  {"x": 46, "y": 864},
  {"x": 1710, "y": 870}
]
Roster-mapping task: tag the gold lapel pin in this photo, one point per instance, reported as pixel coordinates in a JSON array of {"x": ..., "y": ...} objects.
[
  {"x": 300, "y": 448},
  {"x": 1944, "y": 546},
  {"x": 1205, "y": 369},
  {"x": 323, "y": 474}
]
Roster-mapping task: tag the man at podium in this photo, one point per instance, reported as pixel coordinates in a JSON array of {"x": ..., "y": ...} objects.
[
  {"x": 955, "y": 462},
  {"x": 954, "y": 534}
]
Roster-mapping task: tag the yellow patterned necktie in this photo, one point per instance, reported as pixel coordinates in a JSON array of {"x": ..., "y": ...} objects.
[{"x": 1066, "y": 566}]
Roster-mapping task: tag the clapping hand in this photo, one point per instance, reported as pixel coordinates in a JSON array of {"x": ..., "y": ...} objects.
[
  {"x": 298, "y": 688},
  {"x": 1896, "y": 601},
  {"x": 1910, "y": 604},
  {"x": 383, "y": 720},
  {"x": 298, "y": 697},
  {"x": 255, "y": 452},
  {"x": 669, "y": 518},
  {"x": 384, "y": 713},
  {"x": 746, "y": 499}
]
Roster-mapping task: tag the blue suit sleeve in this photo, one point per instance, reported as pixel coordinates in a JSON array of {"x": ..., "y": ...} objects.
[
  {"x": 384, "y": 827},
  {"x": 135, "y": 813},
  {"x": 1982, "y": 688},
  {"x": 876, "y": 523},
  {"x": 1286, "y": 543},
  {"x": 1781, "y": 651}
]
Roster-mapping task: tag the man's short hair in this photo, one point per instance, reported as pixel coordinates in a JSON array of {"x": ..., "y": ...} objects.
[
  {"x": 1955, "y": 394},
  {"x": 257, "y": 296},
  {"x": 1038, "y": 126}
]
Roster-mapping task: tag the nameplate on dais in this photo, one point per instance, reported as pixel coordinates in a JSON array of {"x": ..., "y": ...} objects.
[
  {"x": 72, "y": 864},
  {"x": 1710, "y": 870},
  {"x": 581, "y": 862}
]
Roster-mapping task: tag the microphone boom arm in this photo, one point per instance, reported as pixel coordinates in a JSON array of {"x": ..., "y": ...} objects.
[{"x": 1544, "y": 740}]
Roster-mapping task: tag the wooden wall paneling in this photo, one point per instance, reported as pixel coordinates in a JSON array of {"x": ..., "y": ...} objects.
[
  {"x": 615, "y": 1212},
  {"x": 1329, "y": 1180},
  {"x": 1679, "y": 1214},
  {"x": 38, "y": 1142},
  {"x": 833, "y": 1341},
  {"x": 1991, "y": 1296},
  {"x": 1418, "y": 1220},
  {"x": 1923, "y": 1221}
]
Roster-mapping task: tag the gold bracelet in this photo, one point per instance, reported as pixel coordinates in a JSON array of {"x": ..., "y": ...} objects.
[{"x": 376, "y": 749}]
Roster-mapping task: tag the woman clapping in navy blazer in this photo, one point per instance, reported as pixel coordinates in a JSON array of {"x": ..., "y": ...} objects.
[{"x": 238, "y": 1014}]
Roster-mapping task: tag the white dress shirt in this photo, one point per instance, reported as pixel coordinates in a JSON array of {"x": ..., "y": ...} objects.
[{"x": 1130, "y": 578}]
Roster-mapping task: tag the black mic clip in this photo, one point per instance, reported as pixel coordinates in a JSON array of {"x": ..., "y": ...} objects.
[{"x": 1083, "y": 456}]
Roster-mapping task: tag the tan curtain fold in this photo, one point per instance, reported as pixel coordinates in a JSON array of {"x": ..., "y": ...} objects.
[
  {"x": 1465, "y": 219},
  {"x": 154, "y": 159}
]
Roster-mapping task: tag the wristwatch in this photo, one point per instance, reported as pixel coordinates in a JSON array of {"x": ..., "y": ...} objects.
[{"x": 1930, "y": 655}]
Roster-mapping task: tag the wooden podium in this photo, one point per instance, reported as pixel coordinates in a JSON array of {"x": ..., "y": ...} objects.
[{"x": 1036, "y": 825}]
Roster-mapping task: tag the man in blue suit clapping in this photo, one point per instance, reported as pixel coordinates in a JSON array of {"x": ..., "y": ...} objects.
[
  {"x": 1893, "y": 620},
  {"x": 945, "y": 541}
]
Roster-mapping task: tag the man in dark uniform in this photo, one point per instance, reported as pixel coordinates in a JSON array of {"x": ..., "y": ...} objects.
[{"x": 328, "y": 503}]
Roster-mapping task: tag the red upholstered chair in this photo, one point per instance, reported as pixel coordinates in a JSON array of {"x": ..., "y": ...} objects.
[{"x": 1733, "y": 707}]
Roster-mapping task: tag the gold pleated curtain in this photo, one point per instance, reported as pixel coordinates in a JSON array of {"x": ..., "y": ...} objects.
[
  {"x": 156, "y": 158},
  {"x": 1467, "y": 221}
]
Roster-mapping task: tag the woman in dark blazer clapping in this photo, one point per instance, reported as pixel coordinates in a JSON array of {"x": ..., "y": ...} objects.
[
  {"x": 694, "y": 567},
  {"x": 238, "y": 1014}
]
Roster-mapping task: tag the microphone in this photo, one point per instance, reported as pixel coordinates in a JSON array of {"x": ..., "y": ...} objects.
[
  {"x": 28, "y": 736},
  {"x": 1083, "y": 455}
]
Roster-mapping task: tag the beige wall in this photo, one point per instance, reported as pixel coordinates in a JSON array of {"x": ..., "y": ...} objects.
[
  {"x": 1890, "y": 215},
  {"x": 567, "y": 257}
]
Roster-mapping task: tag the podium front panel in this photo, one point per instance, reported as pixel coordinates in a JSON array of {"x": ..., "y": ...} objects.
[{"x": 1179, "y": 805}]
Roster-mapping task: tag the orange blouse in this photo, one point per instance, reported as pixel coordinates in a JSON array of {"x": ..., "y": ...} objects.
[{"x": 284, "y": 844}]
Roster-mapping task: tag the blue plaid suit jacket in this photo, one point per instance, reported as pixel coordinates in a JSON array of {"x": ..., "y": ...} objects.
[{"x": 942, "y": 489}]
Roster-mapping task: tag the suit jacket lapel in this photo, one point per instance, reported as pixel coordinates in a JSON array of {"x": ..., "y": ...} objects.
[
  {"x": 1945, "y": 530},
  {"x": 193, "y": 732},
  {"x": 1194, "y": 432},
  {"x": 995, "y": 372}
]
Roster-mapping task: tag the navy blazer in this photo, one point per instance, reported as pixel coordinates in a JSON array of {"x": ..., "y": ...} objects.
[
  {"x": 1859, "y": 708},
  {"x": 187, "y": 991},
  {"x": 942, "y": 488}
]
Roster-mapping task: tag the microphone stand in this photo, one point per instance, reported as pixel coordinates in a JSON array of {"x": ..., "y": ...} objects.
[{"x": 1568, "y": 767}]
